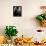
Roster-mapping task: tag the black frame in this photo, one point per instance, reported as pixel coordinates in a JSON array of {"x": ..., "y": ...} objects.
[{"x": 17, "y": 11}]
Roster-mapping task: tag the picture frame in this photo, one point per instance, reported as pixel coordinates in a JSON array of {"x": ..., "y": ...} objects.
[{"x": 17, "y": 11}]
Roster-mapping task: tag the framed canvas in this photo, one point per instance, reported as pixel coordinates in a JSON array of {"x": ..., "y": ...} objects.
[{"x": 17, "y": 11}]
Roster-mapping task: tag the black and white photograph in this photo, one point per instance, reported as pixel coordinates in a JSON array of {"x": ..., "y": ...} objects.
[{"x": 17, "y": 11}]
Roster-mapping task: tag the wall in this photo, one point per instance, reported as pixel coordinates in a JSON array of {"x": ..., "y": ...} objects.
[{"x": 26, "y": 24}]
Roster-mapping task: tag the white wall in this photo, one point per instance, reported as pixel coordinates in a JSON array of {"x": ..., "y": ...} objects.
[{"x": 26, "y": 24}]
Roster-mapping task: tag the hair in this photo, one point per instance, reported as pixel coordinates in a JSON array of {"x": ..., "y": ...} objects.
[{"x": 42, "y": 7}]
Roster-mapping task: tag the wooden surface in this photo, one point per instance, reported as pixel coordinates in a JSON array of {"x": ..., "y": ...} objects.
[{"x": 30, "y": 45}]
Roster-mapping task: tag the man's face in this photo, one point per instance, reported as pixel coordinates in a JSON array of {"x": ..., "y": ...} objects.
[{"x": 44, "y": 10}]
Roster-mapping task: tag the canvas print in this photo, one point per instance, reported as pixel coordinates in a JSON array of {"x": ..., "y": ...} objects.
[
  {"x": 17, "y": 11},
  {"x": 23, "y": 23}
]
